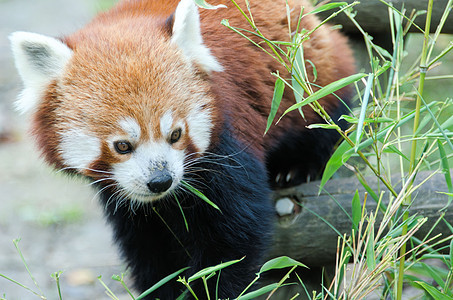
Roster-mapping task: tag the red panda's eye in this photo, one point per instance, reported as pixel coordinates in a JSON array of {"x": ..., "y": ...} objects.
[
  {"x": 123, "y": 147},
  {"x": 175, "y": 136}
]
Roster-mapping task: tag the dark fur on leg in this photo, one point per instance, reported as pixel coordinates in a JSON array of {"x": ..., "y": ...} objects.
[{"x": 300, "y": 156}]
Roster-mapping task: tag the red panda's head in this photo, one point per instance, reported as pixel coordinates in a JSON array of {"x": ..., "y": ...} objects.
[{"x": 122, "y": 102}]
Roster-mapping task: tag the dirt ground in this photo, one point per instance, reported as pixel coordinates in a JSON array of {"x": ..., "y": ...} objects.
[{"x": 58, "y": 220}]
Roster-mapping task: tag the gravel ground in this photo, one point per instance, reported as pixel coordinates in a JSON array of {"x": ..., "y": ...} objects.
[{"x": 58, "y": 220}]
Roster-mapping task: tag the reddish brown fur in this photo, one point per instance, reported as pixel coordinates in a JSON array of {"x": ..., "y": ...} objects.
[{"x": 140, "y": 30}]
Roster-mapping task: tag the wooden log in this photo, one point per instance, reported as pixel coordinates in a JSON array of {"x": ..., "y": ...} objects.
[
  {"x": 372, "y": 15},
  {"x": 304, "y": 236}
]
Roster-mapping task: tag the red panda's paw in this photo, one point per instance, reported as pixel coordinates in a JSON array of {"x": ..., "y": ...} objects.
[{"x": 292, "y": 177}]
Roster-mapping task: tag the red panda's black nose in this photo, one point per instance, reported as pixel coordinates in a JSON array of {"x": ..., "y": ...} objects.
[{"x": 160, "y": 182}]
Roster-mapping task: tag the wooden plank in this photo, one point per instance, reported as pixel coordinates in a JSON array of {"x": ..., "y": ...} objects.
[
  {"x": 372, "y": 15},
  {"x": 304, "y": 236}
]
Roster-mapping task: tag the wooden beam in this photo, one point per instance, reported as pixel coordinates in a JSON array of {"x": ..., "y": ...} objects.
[
  {"x": 303, "y": 235},
  {"x": 373, "y": 15}
]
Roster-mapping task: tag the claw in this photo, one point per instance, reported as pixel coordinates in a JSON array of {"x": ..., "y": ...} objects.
[
  {"x": 289, "y": 176},
  {"x": 278, "y": 177}
]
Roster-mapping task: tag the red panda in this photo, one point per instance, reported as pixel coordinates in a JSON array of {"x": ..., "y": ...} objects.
[{"x": 154, "y": 94}]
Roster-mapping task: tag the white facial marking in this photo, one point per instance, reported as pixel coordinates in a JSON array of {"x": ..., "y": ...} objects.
[
  {"x": 166, "y": 123},
  {"x": 187, "y": 35},
  {"x": 132, "y": 129},
  {"x": 133, "y": 174},
  {"x": 79, "y": 149},
  {"x": 39, "y": 60},
  {"x": 200, "y": 125}
]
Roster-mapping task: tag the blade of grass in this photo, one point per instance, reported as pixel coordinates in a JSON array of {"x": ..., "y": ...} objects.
[
  {"x": 356, "y": 211},
  {"x": 204, "y": 4},
  {"x": 446, "y": 171},
  {"x": 327, "y": 6},
  {"x": 199, "y": 194},
  {"x": 160, "y": 283},
  {"x": 210, "y": 270},
  {"x": 276, "y": 99},
  {"x": 363, "y": 109},
  {"x": 16, "y": 245},
  {"x": 22, "y": 286},
  {"x": 327, "y": 90}
]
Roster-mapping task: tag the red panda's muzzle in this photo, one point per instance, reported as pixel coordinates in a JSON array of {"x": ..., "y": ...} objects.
[{"x": 160, "y": 182}]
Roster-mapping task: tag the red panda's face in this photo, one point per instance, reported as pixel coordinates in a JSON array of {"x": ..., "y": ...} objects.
[
  {"x": 124, "y": 106},
  {"x": 133, "y": 118}
]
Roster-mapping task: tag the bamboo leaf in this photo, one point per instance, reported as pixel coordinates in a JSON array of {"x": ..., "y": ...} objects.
[
  {"x": 451, "y": 254},
  {"x": 327, "y": 6},
  {"x": 394, "y": 126},
  {"x": 323, "y": 126},
  {"x": 160, "y": 283},
  {"x": 370, "y": 254},
  {"x": 280, "y": 263},
  {"x": 383, "y": 68},
  {"x": 445, "y": 170},
  {"x": 366, "y": 97},
  {"x": 204, "y": 4},
  {"x": 393, "y": 149},
  {"x": 182, "y": 212},
  {"x": 432, "y": 291},
  {"x": 259, "y": 292},
  {"x": 337, "y": 159},
  {"x": 199, "y": 194},
  {"x": 276, "y": 99},
  {"x": 437, "y": 276},
  {"x": 327, "y": 90},
  {"x": 354, "y": 120},
  {"x": 210, "y": 270},
  {"x": 297, "y": 72},
  {"x": 356, "y": 211}
]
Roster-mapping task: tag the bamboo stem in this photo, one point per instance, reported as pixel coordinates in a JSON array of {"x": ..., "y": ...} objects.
[{"x": 407, "y": 200}]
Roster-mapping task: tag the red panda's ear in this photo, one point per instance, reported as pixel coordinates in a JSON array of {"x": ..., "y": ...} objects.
[
  {"x": 186, "y": 34},
  {"x": 39, "y": 60}
]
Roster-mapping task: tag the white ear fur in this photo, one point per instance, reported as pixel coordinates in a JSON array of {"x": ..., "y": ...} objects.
[
  {"x": 39, "y": 59},
  {"x": 187, "y": 35}
]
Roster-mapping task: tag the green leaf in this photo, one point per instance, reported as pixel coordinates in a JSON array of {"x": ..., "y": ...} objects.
[
  {"x": 363, "y": 109},
  {"x": 160, "y": 283},
  {"x": 356, "y": 211},
  {"x": 323, "y": 126},
  {"x": 385, "y": 130},
  {"x": 451, "y": 254},
  {"x": 259, "y": 292},
  {"x": 398, "y": 230},
  {"x": 276, "y": 99},
  {"x": 210, "y": 270},
  {"x": 297, "y": 72},
  {"x": 437, "y": 276},
  {"x": 280, "y": 263},
  {"x": 328, "y": 6},
  {"x": 393, "y": 149},
  {"x": 383, "y": 68},
  {"x": 327, "y": 90},
  {"x": 432, "y": 291},
  {"x": 383, "y": 52},
  {"x": 354, "y": 120},
  {"x": 204, "y": 4},
  {"x": 337, "y": 159},
  {"x": 370, "y": 254},
  {"x": 199, "y": 194},
  {"x": 182, "y": 212},
  {"x": 445, "y": 170}
]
